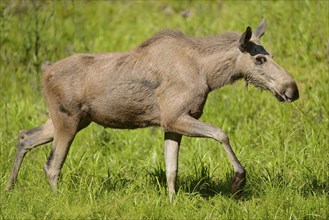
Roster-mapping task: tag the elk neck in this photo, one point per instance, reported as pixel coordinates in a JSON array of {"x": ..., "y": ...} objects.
[{"x": 220, "y": 68}]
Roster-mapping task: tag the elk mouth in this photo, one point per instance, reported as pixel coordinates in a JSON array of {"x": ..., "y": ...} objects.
[
  {"x": 286, "y": 93},
  {"x": 281, "y": 98},
  {"x": 285, "y": 96}
]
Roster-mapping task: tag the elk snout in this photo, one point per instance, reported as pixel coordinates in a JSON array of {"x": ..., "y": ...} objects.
[
  {"x": 289, "y": 91},
  {"x": 292, "y": 92}
]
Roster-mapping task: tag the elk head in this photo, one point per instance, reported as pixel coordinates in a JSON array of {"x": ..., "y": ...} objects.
[{"x": 258, "y": 67}]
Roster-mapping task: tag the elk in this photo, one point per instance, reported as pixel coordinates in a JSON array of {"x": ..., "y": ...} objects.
[{"x": 163, "y": 82}]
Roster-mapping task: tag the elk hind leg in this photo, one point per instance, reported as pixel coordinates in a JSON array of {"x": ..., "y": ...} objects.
[
  {"x": 65, "y": 129},
  {"x": 27, "y": 140}
]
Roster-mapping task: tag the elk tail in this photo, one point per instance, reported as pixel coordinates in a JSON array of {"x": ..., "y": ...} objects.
[{"x": 45, "y": 66}]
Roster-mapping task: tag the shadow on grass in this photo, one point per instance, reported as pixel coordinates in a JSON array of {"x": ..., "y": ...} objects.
[
  {"x": 313, "y": 184},
  {"x": 200, "y": 182},
  {"x": 205, "y": 187}
]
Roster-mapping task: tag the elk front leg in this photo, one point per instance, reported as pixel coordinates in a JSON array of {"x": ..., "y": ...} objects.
[
  {"x": 171, "y": 149},
  {"x": 27, "y": 140},
  {"x": 186, "y": 125}
]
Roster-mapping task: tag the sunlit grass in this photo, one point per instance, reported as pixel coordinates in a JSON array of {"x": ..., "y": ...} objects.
[{"x": 120, "y": 174}]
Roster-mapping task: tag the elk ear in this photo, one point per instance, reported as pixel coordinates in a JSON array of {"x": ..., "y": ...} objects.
[
  {"x": 244, "y": 39},
  {"x": 261, "y": 29}
]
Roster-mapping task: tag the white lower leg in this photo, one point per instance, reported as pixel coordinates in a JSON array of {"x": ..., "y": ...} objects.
[{"x": 171, "y": 158}]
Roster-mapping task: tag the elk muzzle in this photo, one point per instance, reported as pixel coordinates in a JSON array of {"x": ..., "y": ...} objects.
[{"x": 288, "y": 92}]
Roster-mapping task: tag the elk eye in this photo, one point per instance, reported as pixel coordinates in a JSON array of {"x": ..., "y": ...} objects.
[{"x": 260, "y": 60}]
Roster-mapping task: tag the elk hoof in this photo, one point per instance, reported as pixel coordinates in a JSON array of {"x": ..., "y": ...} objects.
[
  {"x": 51, "y": 177},
  {"x": 238, "y": 182},
  {"x": 171, "y": 198},
  {"x": 9, "y": 186}
]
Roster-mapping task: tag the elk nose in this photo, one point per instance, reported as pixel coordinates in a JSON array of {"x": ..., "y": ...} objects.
[{"x": 292, "y": 92}]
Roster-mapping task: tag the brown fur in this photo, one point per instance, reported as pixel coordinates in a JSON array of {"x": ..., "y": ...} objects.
[{"x": 163, "y": 82}]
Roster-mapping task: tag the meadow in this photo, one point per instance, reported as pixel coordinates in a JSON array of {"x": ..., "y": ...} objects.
[{"x": 120, "y": 174}]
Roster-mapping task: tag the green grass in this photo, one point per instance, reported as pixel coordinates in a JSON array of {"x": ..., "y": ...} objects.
[{"x": 119, "y": 174}]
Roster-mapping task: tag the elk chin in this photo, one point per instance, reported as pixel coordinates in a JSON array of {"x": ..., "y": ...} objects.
[
  {"x": 286, "y": 93},
  {"x": 281, "y": 97}
]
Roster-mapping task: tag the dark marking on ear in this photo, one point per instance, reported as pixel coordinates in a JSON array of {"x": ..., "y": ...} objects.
[
  {"x": 254, "y": 49},
  {"x": 245, "y": 37}
]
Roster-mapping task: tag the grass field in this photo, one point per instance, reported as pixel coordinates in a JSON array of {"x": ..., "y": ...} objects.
[{"x": 119, "y": 174}]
